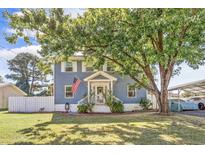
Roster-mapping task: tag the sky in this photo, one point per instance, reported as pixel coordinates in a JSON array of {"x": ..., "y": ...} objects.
[{"x": 8, "y": 51}]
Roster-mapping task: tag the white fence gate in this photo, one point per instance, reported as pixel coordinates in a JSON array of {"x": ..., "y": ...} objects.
[{"x": 31, "y": 104}]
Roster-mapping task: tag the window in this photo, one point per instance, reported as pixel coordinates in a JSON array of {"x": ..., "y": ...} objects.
[
  {"x": 87, "y": 67},
  {"x": 131, "y": 91},
  {"x": 68, "y": 91},
  {"x": 109, "y": 67},
  {"x": 68, "y": 67}
]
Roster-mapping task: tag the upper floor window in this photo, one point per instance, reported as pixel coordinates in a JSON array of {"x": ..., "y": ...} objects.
[
  {"x": 87, "y": 67},
  {"x": 109, "y": 67},
  {"x": 68, "y": 91},
  {"x": 68, "y": 66},
  {"x": 131, "y": 91}
]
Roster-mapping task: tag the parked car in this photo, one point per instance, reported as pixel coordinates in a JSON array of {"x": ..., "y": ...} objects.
[
  {"x": 199, "y": 100},
  {"x": 177, "y": 105}
]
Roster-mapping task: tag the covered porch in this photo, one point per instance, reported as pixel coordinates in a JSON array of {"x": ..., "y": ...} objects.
[{"x": 99, "y": 84}]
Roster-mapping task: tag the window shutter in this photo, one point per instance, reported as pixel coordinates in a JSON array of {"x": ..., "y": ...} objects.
[
  {"x": 83, "y": 67},
  {"x": 105, "y": 67},
  {"x": 62, "y": 66},
  {"x": 74, "y": 63}
]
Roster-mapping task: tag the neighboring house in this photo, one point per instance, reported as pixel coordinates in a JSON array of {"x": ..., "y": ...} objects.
[
  {"x": 94, "y": 83},
  {"x": 7, "y": 90}
]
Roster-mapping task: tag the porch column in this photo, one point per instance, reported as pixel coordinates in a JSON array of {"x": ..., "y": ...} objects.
[
  {"x": 111, "y": 86},
  {"x": 88, "y": 91}
]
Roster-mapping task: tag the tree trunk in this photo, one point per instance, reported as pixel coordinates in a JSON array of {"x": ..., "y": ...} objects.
[
  {"x": 162, "y": 99},
  {"x": 164, "y": 102}
]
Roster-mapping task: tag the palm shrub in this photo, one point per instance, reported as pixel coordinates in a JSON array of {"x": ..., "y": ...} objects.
[
  {"x": 115, "y": 106},
  {"x": 85, "y": 107},
  {"x": 82, "y": 108},
  {"x": 145, "y": 104},
  {"x": 109, "y": 99},
  {"x": 90, "y": 106}
]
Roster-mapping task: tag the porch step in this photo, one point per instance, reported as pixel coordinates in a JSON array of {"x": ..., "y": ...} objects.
[{"x": 101, "y": 108}]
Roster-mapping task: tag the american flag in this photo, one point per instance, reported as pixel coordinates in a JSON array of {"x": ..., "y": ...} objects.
[{"x": 75, "y": 85}]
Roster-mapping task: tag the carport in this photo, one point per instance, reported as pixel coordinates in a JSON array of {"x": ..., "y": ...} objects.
[{"x": 196, "y": 88}]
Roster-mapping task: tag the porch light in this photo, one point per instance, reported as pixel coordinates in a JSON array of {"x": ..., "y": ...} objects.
[{"x": 67, "y": 106}]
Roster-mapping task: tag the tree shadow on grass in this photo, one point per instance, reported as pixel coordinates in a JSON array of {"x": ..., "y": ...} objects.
[
  {"x": 61, "y": 118},
  {"x": 3, "y": 110},
  {"x": 114, "y": 130}
]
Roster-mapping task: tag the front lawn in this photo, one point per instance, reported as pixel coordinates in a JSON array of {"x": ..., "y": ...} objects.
[{"x": 138, "y": 128}]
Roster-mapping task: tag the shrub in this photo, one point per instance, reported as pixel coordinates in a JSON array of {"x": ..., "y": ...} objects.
[
  {"x": 109, "y": 99},
  {"x": 145, "y": 104},
  {"x": 82, "y": 108},
  {"x": 117, "y": 107},
  {"x": 85, "y": 108},
  {"x": 89, "y": 106}
]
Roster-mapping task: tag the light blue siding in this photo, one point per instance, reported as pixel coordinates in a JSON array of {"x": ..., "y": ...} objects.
[{"x": 66, "y": 78}]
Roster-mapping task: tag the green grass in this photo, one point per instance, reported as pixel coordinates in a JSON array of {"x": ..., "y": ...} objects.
[{"x": 138, "y": 128}]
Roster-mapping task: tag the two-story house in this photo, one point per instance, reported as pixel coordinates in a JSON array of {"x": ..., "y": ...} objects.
[{"x": 93, "y": 82}]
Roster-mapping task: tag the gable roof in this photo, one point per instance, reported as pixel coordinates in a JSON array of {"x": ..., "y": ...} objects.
[
  {"x": 12, "y": 85},
  {"x": 100, "y": 73}
]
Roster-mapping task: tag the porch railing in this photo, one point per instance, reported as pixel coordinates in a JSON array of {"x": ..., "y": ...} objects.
[
  {"x": 117, "y": 99},
  {"x": 85, "y": 100}
]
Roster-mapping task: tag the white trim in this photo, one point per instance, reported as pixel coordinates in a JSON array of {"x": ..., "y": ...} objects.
[
  {"x": 62, "y": 66},
  {"x": 132, "y": 107},
  {"x": 83, "y": 67},
  {"x": 100, "y": 80},
  {"x": 65, "y": 92},
  {"x": 76, "y": 58},
  {"x": 98, "y": 108},
  {"x": 100, "y": 73},
  {"x": 61, "y": 108},
  {"x": 73, "y": 108},
  {"x": 105, "y": 67},
  {"x": 74, "y": 65},
  {"x": 101, "y": 108},
  {"x": 128, "y": 91},
  {"x": 88, "y": 91}
]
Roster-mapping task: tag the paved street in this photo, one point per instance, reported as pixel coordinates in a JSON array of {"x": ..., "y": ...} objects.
[{"x": 199, "y": 113}]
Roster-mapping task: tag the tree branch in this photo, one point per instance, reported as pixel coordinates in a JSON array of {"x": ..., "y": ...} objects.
[{"x": 133, "y": 77}]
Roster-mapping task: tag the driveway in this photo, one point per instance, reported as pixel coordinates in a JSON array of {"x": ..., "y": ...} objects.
[{"x": 199, "y": 113}]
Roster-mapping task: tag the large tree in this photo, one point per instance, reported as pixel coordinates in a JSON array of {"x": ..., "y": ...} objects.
[
  {"x": 26, "y": 72},
  {"x": 137, "y": 41}
]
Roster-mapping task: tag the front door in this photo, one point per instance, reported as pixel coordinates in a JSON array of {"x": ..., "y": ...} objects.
[
  {"x": 99, "y": 94},
  {"x": 100, "y": 90}
]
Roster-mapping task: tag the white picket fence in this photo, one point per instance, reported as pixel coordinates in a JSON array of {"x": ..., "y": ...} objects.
[{"x": 31, "y": 104}]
